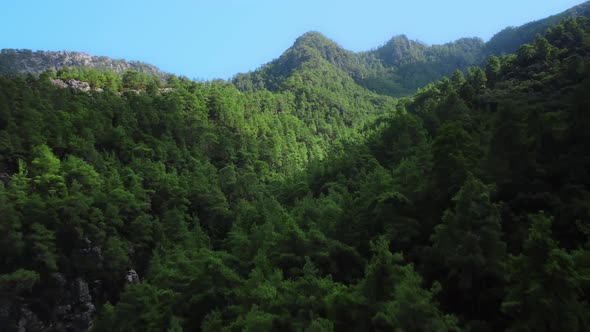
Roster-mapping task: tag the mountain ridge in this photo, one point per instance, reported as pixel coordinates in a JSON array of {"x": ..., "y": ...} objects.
[
  {"x": 402, "y": 65},
  {"x": 23, "y": 61},
  {"x": 397, "y": 68},
  {"x": 322, "y": 206},
  {"x": 526, "y": 33}
]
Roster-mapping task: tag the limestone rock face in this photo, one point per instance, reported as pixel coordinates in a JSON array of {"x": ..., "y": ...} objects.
[
  {"x": 16, "y": 62},
  {"x": 73, "y": 309},
  {"x": 132, "y": 277},
  {"x": 74, "y": 84}
]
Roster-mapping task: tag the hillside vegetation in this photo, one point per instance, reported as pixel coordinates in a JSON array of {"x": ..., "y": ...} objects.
[
  {"x": 296, "y": 198},
  {"x": 400, "y": 66}
]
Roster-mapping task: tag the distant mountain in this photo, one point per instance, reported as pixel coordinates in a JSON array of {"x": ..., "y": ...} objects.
[
  {"x": 15, "y": 62},
  {"x": 307, "y": 52},
  {"x": 397, "y": 68},
  {"x": 401, "y": 65},
  {"x": 321, "y": 77},
  {"x": 412, "y": 64},
  {"x": 307, "y": 202},
  {"x": 509, "y": 40}
]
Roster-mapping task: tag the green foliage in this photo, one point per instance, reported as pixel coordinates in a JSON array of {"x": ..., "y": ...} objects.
[
  {"x": 397, "y": 68},
  {"x": 46, "y": 171},
  {"x": 41, "y": 243},
  {"x": 286, "y": 204},
  {"x": 320, "y": 325},
  {"x": 454, "y": 156},
  {"x": 469, "y": 246},
  {"x": 413, "y": 309},
  {"x": 256, "y": 320},
  {"x": 18, "y": 281},
  {"x": 508, "y": 40},
  {"x": 395, "y": 292},
  {"x": 493, "y": 70},
  {"x": 115, "y": 255},
  {"x": 401, "y": 66},
  {"x": 545, "y": 292},
  {"x": 175, "y": 325},
  {"x": 469, "y": 238},
  {"x": 142, "y": 307},
  {"x": 11, "y": 237}
]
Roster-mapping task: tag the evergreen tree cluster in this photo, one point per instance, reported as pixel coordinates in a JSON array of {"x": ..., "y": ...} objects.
[{"x": 311, "y": 204}]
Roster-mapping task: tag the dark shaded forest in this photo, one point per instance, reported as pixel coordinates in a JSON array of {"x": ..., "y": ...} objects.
[{"x": 304, "y": 203}]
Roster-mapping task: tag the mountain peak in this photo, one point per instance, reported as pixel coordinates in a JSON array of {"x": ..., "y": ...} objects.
[
  {"x": 315, "y": 45},
  {"x": 312, "y": 36},
  {"x": 399, "y": 38},
  {"x": 315, "y": 40}
]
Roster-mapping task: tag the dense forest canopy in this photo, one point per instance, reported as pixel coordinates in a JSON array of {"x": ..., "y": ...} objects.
[{"x": 298, "y": 198}]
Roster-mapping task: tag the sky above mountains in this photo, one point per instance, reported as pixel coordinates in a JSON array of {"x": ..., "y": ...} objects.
[{"x": 218, "y": 39}]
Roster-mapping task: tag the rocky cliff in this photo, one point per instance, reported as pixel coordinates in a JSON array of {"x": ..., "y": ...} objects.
[{"x": 14, "y": 62}]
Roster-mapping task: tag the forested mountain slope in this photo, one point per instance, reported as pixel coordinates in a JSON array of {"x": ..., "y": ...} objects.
[
  {"x": 468, "y": 212},
  {"x": 95, "y": 183},
  {"x": 396, "y": 68},
  {"x": 298, "y": 200},
  {"x": 509, "y": 40},
  {"x": 401, "y": 65}
]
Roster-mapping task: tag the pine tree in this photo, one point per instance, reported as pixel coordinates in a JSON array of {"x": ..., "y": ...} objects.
[
  {"x": 545, "y": 292},
  {"x": 469, "y": 244}
]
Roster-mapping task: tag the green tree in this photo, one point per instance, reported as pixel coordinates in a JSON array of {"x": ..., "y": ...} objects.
[
  {"x": 413, "y": 308},
  {"x": 454, "y": 155},
  {"x": 18, "y": 281},
  {"x": 115, "y": 255},
  {"x": 395, "y": 293},
  {"x": 46, "y": 170},
  {"x": 134, "y": 80},
  {"x": 476, "y": 77},
  {"x": 458, "y": 79},
  {"x": 41, "y": 244},
  {"x": 545, "y": 285},
  {"x": 141, "y": 307},
  {"x": 11, "y": 237},
  {"x": 493, "y": 70},
  {"x": 469, "y": 245}
]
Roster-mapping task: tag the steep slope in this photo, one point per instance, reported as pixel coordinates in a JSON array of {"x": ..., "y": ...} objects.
[
  {"x": 508, "y": 40},
  {"x": 90, "y": 183},
  {"x": 195, "y": 206},
  {"x": 401, "y": 65},
  {"x": 410, "y": 64},
  {"x": 319, "y": 76},
  {"x": 483, "y": 185},
  {"x": 397, "y": 68},
  {"x": 112, "y": 168},
  {"x": 307, "y": 52},
  {"x": 15, "y": 62}
]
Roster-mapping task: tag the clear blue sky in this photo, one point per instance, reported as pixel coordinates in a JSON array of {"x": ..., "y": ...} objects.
[{"x": 217, "y": 39}]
